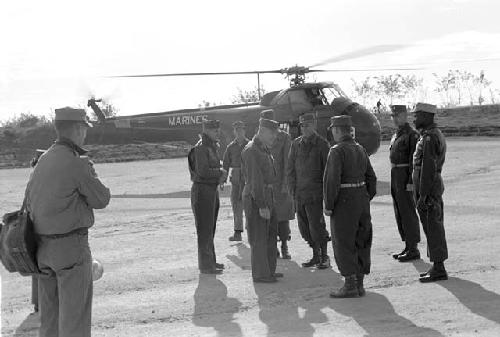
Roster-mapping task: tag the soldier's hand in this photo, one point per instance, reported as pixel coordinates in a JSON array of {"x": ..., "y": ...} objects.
[
  {"x": 265, "y": 213},
  {"x": 328, "y": 212},
  {"x": 409, "y": 187}
]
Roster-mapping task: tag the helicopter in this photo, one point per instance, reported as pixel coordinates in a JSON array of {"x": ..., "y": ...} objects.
[{"x": 325, "y": 99}]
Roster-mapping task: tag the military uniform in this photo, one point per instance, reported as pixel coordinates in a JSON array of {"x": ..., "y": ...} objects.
[
  {"x": 401, "y": 151},
  {"x": 62, "y": 193},
  {"x": 307, "y": 159},
  {"x": 232, "y": 160},
  {"x": 428, "y": 162},
  {"x": 349, "y": 184},
  {"x": 206, "y": 174},
  {"x": 259, "y": 175}
]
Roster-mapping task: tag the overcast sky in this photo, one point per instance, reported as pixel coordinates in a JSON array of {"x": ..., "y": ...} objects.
[{"x": 57, "y": 53}]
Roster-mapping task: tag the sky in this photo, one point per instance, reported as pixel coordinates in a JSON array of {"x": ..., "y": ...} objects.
[{"x": 58, "y": 53}]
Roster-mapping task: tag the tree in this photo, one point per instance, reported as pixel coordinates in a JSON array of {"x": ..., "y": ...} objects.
[
  {"x": 363, "y": 89},
  {"x": 248, "y": 96},
  {"x": 390, "y": 85}
]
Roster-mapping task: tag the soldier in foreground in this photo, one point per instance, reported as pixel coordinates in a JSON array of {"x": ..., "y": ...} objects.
[
  {"x": 232, "y": 160},
  {"x": 401, "y": 151},
  {"x": 259, "y": 174},
  {"x": 62, "y": 193},
  {"x": 282, "y": 198},
  {"x": 307, "y": 159},
  {"x": 349, "y": 185},
  {"x": 428, "y": 162},
  {"x": 206, "y": 174}
]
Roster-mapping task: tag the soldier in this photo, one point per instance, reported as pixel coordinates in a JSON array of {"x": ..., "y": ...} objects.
[
  {"x": 259, "y": 175},
  {"x": 206, "y": 174},
  {"x": 401, "y": 150},
  {"x": 62, "y": 192},
  {"x": 232, "y": 160},
  {"x": 428, "y": 162},
  {"x": 307, "y": 158},
  {"x": 283, "y": 200},
  {"x": 349, "y": 184}
]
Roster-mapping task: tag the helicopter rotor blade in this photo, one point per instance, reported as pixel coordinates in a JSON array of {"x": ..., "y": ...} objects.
[
  {"x": 378, "y": 49},
  {"x": 361, "y": 70},
  {"x": 201, "y": 74}
]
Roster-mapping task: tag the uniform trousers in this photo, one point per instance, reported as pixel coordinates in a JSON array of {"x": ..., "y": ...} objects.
[
  {"x": 237, "y": 205},
  {"x": 262, "y": 236},
  {"x": 205, "y": 204},
  {"x": 432, "y": 220},
  {"x": 65, "y": 288},
  {"x": 311, "y": 222},
  {"x": 352, "y": 231},
  {"x": 404, "y": 207}
]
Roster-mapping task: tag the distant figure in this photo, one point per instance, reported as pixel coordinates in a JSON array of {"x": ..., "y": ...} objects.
[
  {"x": 379, "y": 105},
  {"x": 206, "y": 174},
  {"x": 259, "y": 174},
  {"x": 232, "y": 160},
  {"x": 428, "y": 183},
  {"x": 348, "y": 186},
  {"x": 401, "y": 151}
]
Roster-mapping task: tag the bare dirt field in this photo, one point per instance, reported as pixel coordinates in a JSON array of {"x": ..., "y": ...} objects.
[{"x": 151, "y": 285}]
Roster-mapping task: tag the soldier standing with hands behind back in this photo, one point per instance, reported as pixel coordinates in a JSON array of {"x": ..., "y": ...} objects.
[
  {"x": 232, "y": 160},
  {"x": 206, "y": 174},
  {"x": 428, "y": 183},
  {"x": 401, "y": 151}
]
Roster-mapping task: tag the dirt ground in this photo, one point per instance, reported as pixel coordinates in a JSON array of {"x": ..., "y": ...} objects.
[{"x": 151, "y": 285}]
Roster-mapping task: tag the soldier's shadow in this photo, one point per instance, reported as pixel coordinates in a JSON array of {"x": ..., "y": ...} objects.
[
  {"x": 213, "y": 308},
  {"x": 291, "y": 306},
  {"x": 475, "y": 297}
]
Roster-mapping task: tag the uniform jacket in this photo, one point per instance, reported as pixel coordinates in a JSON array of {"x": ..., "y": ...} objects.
[
  {"x": 280, "y": 151},
  {"x": 232, "y": 159},
  {"x": 63, "y": 190},
  {"x": 428, "y": 161},
  {"x": 258, "y": 173},
  {"x": 204, "y": 163},
  {"x": 402, "y": 147},
  {"x": 307, "y": 162},
  {"x": 348, "y": 163}
]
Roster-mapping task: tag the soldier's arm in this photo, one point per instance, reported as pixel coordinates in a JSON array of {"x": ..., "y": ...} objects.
[
  {"x": 255, "y": 179},
  {"x": 201, "y": 166},
  {"x": 286, "y": 151},
  {"x": 94, "y": 192},
  {"x": 412, "y": 145},
  {"x": 331, "y": 179},
  {"x": 370, "y": 178},
  {"x": 291, "y": 173},
  {"x": 324, "y": 150},
  {"x": 428, "y": 170}
]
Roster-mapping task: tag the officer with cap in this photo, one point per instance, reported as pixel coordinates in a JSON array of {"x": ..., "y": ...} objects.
[
  {"x": 307, "y": 159},
  {"x": 283, "y": 200},
  {"x": 401, "y": 151},
  {"x": 258, "y": 200},
  {"x": 62, "y": 192},
  {"x": 428, "y": 161},
  {"x": 232, "y": 161},
  {"x": 206, "y": 174},
  {"x": 349, "y": 184}
]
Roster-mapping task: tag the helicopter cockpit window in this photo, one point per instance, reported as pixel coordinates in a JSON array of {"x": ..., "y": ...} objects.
[
  {"x": 330, "y": 94},
  {"x": 296, "y": 98},
  {"x": 316, "y": 97}
]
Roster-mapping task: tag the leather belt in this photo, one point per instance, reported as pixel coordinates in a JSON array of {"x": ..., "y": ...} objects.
[
  {"x": 78, "y": 231},
  {"x": 399, "y": 165},
  {"x": 354, "y": 185}
]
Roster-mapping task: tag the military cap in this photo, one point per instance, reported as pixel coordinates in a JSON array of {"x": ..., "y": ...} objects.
[
  {"x": 72, "y": 115},
  {"x": 267, "y": 114},
  {"x": 211, "y": 124},
  {"x": 425, "y": 107},
  {"x": 397, "y": 109},
  {"x": 269, "y": 124},
  {"x": 343, "y": 120},
  {"x": 307, "y": 118},
  {"x": 239, "y": 125}
]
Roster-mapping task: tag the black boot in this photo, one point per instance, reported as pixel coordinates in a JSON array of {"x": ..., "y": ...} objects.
[
  {"x": 359, "y": 283},
  {"x": 315, "y": 259},
  {"x": 324, "y": 260},
  {"x": 436, "y": 273},
  {"x": 236, "y": 236},
  {"x": 348, "y": 290},
  {"x": 412, "y": 253},
  {"x": 284, "y": 251}
]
